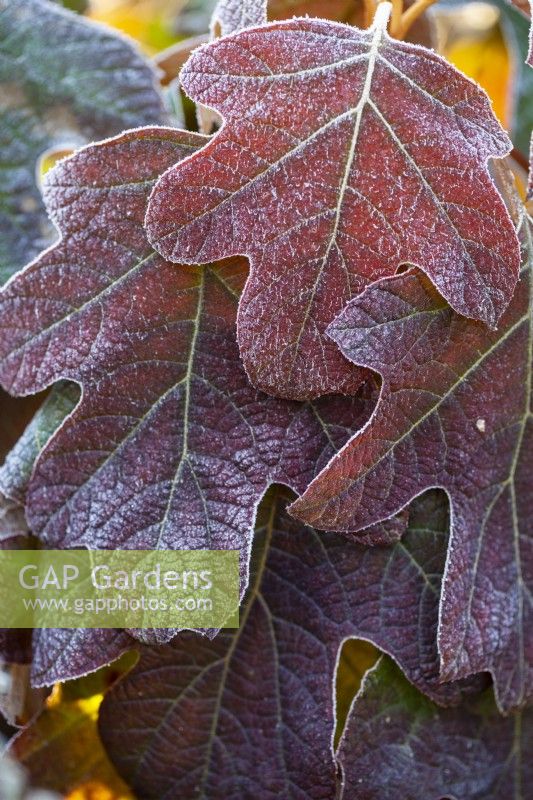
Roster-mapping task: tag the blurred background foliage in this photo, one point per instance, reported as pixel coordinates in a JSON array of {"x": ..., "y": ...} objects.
[
  {"x": 471, "y": 37},
  {"x": 485, "y": 40},
  {"x": 155, "y": 24}
]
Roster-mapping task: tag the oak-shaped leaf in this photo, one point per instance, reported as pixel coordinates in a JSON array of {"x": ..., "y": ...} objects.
[
  {"x": 251, "y": 713},
  {"x": 343, "y": 155},
  {"x": 60, "y": 654},
  {"x": 232, "y": 15},
  {"x": 54, "y": 654},
  {"x": 229, "y": 16},
  {"x": 454, "y": 412},
  {"x": 170, "y": 446},
  {"x": 63, "y": 81},
  {"x": 398, "y": 743}
]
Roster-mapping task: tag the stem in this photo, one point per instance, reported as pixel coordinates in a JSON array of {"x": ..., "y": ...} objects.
[
  {"x": 395, "y": 27},
  {"x": 381, "y": 17},
  {"x": 411, "y": 15},
  {"x": 369, "y": 9}
]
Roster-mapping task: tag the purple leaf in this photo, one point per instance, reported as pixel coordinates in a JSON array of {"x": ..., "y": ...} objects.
[
  {"x": 398, "y": 744},
  {"x": 454, "y": 412},
  {"x": 170, "y": 446},
  {"x": 250, "y": 714}
]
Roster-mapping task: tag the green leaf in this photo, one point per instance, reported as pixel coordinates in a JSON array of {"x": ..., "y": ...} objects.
[
  {"x": 79, "y": 6},
  {"x": 515, "y": 28},
  {"x": 63, "y": 81},
  {"x": 399, "y": 744},
  {"x": 18, "y": 466}
]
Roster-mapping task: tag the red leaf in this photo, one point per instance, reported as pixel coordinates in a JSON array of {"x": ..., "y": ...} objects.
[
  {"x": 60, "y": 654},
  {"x": 170, "y": 446},
  {"x": 343, "y": 155},
  {"x": 454, "y": 412},
  {"x": 230, "y": 16}
]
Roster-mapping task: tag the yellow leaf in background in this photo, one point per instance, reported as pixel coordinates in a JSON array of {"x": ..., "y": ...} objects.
[
  {"x": 95, "y": 790},
  {"x": 520, "y": 176},
  {"x": 50, "y": 158},
  {"x": 487, "y": 62},
  {"x": 471, "y": 38},
  {"x": 150, "y": 22},
  {"x": 61, "y": 749},
  {"x": 356, "y": 658}
]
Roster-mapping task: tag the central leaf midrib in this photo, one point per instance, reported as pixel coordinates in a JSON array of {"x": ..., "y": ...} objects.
[
  {"x": 380, "y": 27},
  {"x": 351, "y": 153},
  {"x": 253, "y": 592},
  {"x": 186, "y": 409}
]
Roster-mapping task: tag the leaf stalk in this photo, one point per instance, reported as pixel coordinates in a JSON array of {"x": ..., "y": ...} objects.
[{"x": 411, "y": 14}]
